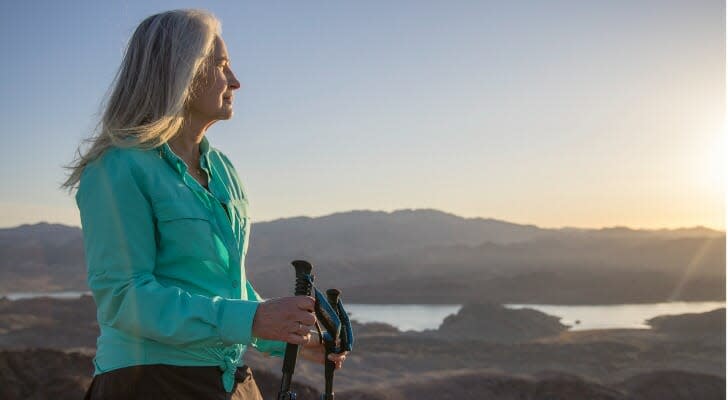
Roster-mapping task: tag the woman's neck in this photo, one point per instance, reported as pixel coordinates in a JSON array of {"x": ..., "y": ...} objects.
[{"x": 186, "y": 144}]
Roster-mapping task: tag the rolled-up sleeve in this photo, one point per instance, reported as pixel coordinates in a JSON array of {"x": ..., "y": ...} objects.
[
  {"x": 120, "y": 247},
  {"x": 272, "y": 347}
]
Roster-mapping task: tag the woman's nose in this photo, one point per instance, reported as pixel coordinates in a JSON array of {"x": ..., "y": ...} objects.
[{"x": 233, "y": 81}]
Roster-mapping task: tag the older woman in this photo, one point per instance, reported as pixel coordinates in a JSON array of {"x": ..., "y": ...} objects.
[{"x": 166, "y": 227}]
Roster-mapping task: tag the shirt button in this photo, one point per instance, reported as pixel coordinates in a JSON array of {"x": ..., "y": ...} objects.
[{"x": 236, "y": 283}]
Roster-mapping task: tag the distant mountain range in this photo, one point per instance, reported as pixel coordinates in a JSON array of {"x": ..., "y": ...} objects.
[{"x": 428, "y": 256}]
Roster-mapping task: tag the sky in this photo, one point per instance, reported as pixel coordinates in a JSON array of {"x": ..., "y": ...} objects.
[{"x": 552, "y": 113}]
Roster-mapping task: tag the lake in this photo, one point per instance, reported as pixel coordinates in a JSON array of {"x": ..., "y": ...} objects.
[
  {"x": 419, "y": 317},
  {"x": 619, "y": 315}
]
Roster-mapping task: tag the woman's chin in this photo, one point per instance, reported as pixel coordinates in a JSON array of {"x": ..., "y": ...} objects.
[{"x": 226, "y": 113}]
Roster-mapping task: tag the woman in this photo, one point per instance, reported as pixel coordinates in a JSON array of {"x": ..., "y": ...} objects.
[{"x": 166, "y": 228}]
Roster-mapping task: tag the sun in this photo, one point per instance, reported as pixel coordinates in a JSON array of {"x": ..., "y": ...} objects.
[{"x": 711, "y": 168}]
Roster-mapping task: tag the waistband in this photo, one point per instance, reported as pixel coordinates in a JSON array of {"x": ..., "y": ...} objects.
[{"x": 181, "y": 382}]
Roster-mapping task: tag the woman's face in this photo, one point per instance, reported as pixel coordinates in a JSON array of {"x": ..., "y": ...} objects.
[{"x": 213, "y": 97}]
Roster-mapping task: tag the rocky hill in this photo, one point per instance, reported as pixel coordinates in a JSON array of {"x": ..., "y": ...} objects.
[
  {"x": 677, "y": 385},
  {"x": 498, "y": 324},
  {"x": 698, "y": 323},
  {"x": 49, "y": 323}
]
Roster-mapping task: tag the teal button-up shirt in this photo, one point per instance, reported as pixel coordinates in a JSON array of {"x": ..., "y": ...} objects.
[{"x": 165, "y": 261}]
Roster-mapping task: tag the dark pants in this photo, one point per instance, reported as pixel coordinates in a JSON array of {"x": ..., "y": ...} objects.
[{"x": 161, "y": 382}]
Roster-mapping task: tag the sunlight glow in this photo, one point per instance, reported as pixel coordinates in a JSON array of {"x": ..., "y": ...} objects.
[{"x": 690, "y": 269}]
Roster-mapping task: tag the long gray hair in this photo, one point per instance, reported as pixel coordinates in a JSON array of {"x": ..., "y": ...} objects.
[{"x": 163, "y": 63}]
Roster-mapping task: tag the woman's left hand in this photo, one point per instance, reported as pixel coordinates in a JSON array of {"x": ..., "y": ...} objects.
[{"x": 315, "y": 351}]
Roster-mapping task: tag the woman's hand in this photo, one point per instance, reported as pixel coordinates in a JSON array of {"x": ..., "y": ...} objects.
[
  {"x": 315, "y": 351},
  {"x": 287, "y": 319}
]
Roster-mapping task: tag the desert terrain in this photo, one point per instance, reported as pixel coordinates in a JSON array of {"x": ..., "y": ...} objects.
[{"x": 519, "y": 354}]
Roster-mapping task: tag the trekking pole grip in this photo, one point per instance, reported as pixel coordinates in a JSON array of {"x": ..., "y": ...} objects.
[{"x": 304, "y": 286}]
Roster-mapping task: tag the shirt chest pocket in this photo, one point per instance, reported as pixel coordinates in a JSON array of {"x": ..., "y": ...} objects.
[{"x": 184, "y": 230}]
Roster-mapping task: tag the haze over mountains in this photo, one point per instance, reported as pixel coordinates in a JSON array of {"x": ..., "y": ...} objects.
[{"x": 428, "y": 256}]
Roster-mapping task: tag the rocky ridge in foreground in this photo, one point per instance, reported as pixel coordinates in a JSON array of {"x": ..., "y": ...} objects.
[{"x": 66, "y": 376}]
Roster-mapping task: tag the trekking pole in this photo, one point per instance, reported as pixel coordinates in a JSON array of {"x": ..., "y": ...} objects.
[
  {"x": 330, "y": 346},
  {"x": 304, "y": 285}
]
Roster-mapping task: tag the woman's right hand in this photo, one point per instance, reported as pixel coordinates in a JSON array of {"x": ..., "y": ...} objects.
[{"x": 287, "y": 319}]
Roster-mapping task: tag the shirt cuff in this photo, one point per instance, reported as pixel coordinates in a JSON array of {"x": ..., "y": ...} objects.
[{"x": 236, "y": 321}]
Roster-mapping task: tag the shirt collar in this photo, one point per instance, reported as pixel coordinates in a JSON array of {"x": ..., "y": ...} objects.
[{"x": 204, "y": 147}]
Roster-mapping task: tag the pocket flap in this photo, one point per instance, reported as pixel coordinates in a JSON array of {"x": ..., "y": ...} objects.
[{"x": 168, "y": 211}]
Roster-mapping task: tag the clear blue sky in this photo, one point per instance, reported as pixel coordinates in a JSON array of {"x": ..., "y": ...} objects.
[{"x": 557, "y": 113}]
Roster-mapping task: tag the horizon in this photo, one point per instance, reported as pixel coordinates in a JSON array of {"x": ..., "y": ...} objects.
[
  {"x": 632, "y": 228},
  {"x": 564, "y": 114}
]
